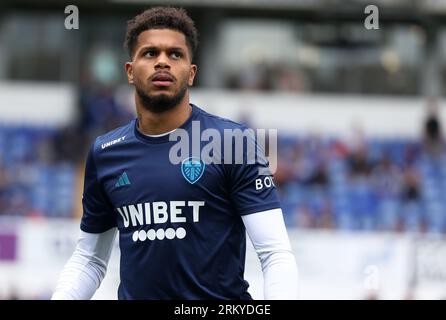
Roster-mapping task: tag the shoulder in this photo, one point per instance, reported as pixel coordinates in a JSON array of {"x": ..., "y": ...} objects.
[
  {"x": 110, "y": 138},
  {"x": 211, "y": 121}
]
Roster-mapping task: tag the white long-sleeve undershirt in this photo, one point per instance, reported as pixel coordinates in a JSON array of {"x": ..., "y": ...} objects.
[
  {"x": 270, "y": 240},
  {"x": 85, "y": 270}
]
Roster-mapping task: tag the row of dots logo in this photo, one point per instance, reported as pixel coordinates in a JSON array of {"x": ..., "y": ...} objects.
[{"x": 159, "y": 234}]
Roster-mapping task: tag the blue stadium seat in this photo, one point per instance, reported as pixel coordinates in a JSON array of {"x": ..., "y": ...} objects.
[{"x": 435, "y": 216}]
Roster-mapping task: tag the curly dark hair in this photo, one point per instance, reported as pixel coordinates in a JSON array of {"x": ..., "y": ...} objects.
[{"x": 161, "y": 18}]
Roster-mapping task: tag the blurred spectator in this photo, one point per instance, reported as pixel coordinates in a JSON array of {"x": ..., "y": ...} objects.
[
  {"x": 283, "y": 174},
  {"x": 339, "y": 149},
  {"x": 359, "y": 164},
  {"x": 100, "y": 111},
  {"x": 325, "y": 220},
  {"x": 411, "y": 185},
  {"x": 68, "y": 145},
  {"x": 411, "y": 219},
  {"x": 318, "y": 176},
  {"x": 304, "y": 218},
  {"x": 358, "y": 161},
  {"x": 386, "y": 178},
  {"x": 432, "y": 134}
]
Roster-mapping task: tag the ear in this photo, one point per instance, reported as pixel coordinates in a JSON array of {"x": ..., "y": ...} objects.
[
  {"x": 192, "y": 73},
  {"x": 129, "y": 71}
]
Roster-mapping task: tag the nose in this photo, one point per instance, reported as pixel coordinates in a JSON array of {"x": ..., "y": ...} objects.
[{"x": 162, "y": 61}]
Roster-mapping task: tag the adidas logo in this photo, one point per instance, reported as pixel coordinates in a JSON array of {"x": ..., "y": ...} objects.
[{"x": 123, "y": 180}]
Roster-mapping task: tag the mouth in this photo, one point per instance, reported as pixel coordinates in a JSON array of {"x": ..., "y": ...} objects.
[{"x": 162, "y": 79}]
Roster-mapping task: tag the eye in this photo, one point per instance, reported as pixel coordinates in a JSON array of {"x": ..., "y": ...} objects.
[
  {"x": 150, "y": 53},
  {"x": 176, "y": 55}
]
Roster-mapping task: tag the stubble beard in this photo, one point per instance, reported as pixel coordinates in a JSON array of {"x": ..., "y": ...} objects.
[{"x": 161, "y": 102}]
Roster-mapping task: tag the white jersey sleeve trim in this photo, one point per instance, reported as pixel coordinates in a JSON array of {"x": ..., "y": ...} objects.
[
  {"x": 269, "y": 237},
  {"x": 85, "y": 270}
]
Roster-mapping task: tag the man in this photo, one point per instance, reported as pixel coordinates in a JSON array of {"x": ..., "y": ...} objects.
[{"x": 181, "y": 225}]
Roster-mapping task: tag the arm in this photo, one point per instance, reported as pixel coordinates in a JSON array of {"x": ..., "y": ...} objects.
[
  {"x": 270, "y": 240},
  {"x": 86, "y": 268}
]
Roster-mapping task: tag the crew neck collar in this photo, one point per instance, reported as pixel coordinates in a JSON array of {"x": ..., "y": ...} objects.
[{"x": 164, "y": 137}]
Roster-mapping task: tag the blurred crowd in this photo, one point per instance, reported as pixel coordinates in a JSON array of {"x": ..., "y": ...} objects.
[
  {"x": 361, "y": 183},
  {"x": 41, "y": 168},
  {"x": 365, "y": 184}
]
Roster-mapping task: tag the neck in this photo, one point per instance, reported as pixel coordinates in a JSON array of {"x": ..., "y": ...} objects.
[{"x": 151, "y": 123}]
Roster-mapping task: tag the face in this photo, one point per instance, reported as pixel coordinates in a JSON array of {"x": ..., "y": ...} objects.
[{"x": 161, "y": 70}]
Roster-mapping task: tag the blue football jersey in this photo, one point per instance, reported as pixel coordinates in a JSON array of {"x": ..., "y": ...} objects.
[{"x": 181, "y": 234}]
